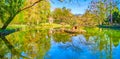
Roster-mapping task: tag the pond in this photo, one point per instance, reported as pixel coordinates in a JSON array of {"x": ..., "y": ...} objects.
[{"x": 50, "y": 44}]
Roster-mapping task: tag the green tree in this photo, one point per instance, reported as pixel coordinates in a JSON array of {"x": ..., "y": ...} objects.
[
  {"x": 116, "y": 16},
  {"x": 38, "y": 13},
  {"x": 44, "y": 9},
  {"x": 99, "y": 8},
  {"x": 88, "y": 19},
  {"x": 103, "y": 8},
  {"x": 63, "y": 16},
  {"x": 10, "y": 8}
]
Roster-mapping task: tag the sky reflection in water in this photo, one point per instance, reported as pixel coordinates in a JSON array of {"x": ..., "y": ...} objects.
[
  {"x": 41, "y": 45},
  {"x": 79, "y": 48}
]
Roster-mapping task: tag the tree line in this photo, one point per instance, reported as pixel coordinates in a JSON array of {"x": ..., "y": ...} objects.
[{"x": 99, "y": 12}]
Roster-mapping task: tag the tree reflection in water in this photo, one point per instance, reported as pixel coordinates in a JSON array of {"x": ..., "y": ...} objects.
[
  {"x": 79, "y": 48},
  {"x": 47, "y": 44},
  {"x": 11, "y": 48}
]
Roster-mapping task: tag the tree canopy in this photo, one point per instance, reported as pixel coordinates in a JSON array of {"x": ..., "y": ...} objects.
[
  {"x": 10, "y": 8},
  {"x": 103, "y": 9}
]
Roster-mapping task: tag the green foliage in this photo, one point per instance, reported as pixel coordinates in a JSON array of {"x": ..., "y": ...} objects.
[
  {"x": 36, "y": 14},
  {"x": 88, "y": 19},
  {"x": 63, "y": 16},
  {"x": 9, "y": 8},
  {"x": 116, "y": 15},
  {"x": 44, "y": 9},
  {"x": 103, "y": 9},
  {"x": 100, "y": 9}
]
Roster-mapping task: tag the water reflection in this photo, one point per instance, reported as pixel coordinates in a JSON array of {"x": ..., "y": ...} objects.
[
  {"x": 76, "y": 49},
  {"x": 79, "y": 48},
  {"x": 48, "y": 44},
  {"x": 10, "y": 47}
]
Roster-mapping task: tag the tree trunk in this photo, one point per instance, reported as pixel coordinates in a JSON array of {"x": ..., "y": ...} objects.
[
  {"x": 111, "y": 20},
  {"x": 7, "y": 22}
]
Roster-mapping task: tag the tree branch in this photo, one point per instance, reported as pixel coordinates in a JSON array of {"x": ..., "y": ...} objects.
[
  {"x": 11, "y": 18},
  {"x": 29, "y": 6}
]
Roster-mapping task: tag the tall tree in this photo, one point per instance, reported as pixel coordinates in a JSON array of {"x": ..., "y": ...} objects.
[
  {"x": 116, "y": 15},
  {"x": 113, "y": 4},
  {"x": 103, "y": 9},
  {"x": 99, "y": 8},
  {"x": 10, "y": 8}
]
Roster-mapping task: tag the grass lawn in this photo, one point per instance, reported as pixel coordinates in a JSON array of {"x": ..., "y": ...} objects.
[{"x": 40, "y": 26}]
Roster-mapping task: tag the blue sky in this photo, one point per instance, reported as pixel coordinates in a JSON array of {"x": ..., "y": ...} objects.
[{"x": 77, "y": 7}]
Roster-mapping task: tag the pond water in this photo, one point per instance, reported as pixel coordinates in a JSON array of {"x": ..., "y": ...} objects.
[{"x": 50, "y": 44}]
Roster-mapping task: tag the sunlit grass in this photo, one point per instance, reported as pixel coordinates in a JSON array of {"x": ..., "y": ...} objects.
[{"x": 40, "y": 26}]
